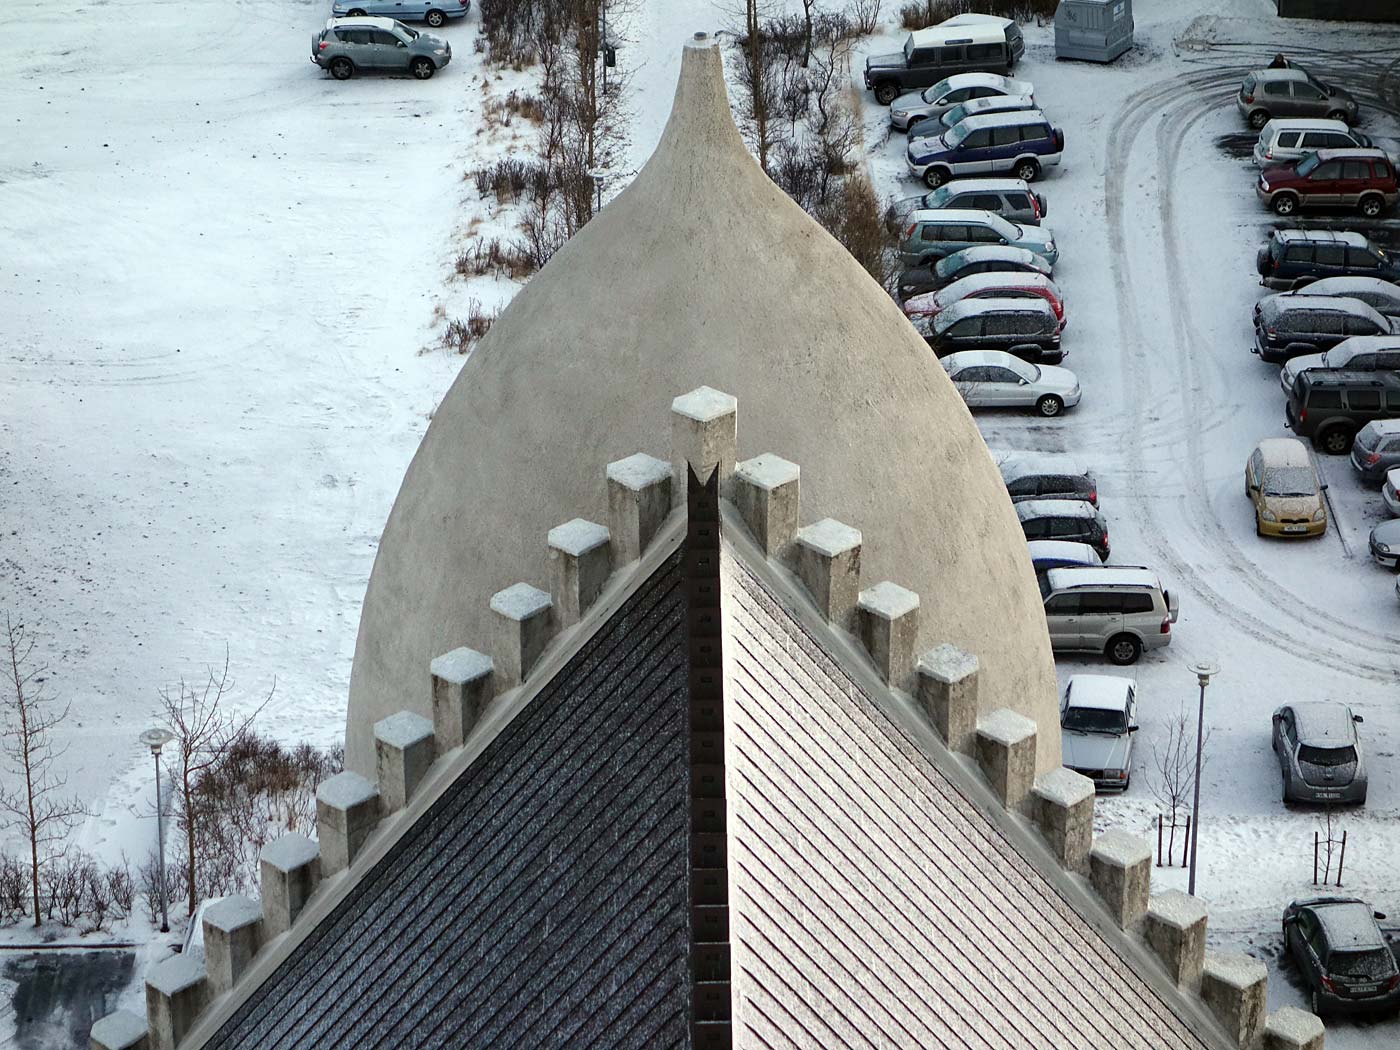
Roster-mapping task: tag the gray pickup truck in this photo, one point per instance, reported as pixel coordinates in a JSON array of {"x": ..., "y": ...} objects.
[{"x": 929, "y": 55}]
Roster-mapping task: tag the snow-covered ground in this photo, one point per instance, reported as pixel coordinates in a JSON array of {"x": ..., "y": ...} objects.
[{"x": 220, "y": 272}]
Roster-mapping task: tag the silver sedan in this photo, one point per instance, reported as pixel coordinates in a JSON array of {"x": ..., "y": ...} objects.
[{"x": 996, "y": 379}]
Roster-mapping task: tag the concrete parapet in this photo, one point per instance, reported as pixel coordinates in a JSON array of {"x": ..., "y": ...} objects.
[
  {"x": 1120, "y": 869},
  {"x": 1062, "y": 807},
  {"x": 176, "y": 991},
  {"x": 463, "y": 684},
  {"x": 947, "y": 689},
  {"x": 639, "y": 500},
  {"x": 887, "y": 623},
  {"x": 1006, "y": 754},
  {"x": 705, "y": 434},
  {"x": 767, "y": 495},
  {"x": 291, "y": 871},
  {"x": 1235, "y": 987},
  {"x": 404, "y": 751},
  {"x": 1175, "y": 927},
  {"x": 347, "y": 811},
  {"x": 580, "y": 562},
  {"x": 828, "y": 563},
  {"x": 524, "y": 618},
  {"x": 232, "y": 936},
  {"x": 122, "y": 1030}
]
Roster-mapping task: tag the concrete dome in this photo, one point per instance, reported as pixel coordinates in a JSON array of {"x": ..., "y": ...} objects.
[{"x": 702, "y": 272}]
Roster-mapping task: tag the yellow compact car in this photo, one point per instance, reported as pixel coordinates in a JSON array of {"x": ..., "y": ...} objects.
[{"x": 1282, "y": 482}]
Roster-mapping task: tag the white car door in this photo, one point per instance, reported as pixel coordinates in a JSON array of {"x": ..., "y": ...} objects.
[
  {"x": 1009, "y": 389},
  {"x": 971, "y": 382}
]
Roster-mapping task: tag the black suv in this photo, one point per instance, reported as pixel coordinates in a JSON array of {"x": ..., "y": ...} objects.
[
  {"x": 1330, "y": 407},
  {"x": 1287, "y": 326},
  {"x": 1342, "y": 955},
  {"x": 1024, "y": 327},
  {"x": 1292, "y": 258}
]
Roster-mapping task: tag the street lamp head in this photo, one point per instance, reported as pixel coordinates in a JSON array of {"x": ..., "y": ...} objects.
[
  {"x": 1204, "y": 670},
  {"x": 155, "y": 739}
]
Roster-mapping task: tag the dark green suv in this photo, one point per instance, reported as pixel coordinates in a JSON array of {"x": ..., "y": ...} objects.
[
  {"x": 1294, "y": 258},
  {"x": 1330, "y": 407}
]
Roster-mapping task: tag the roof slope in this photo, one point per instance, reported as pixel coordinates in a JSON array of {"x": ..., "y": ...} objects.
[
  {"x": 872, "y": 904},
  {"x": 701, "y": 272},
  {"x": 541, "y": 900}
]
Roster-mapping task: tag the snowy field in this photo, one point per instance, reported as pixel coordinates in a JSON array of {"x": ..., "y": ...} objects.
[{"x": 224, "y": 273}]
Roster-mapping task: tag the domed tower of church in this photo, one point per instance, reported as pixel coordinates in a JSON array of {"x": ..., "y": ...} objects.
[
  {"x": 703, "y": 701},
  {"x": 701, "y": 272}
]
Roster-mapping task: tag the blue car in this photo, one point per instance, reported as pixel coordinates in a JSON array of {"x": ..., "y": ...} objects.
[
  {"x": 1020, "y": 144},
  {"x": 434, "y": 12}
]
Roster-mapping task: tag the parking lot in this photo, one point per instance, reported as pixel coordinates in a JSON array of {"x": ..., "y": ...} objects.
[{"x": 1153, "y": 209}]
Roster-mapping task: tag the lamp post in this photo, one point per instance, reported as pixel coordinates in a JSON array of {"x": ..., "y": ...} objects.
[
  {"x": 155, "y": 739},
  {"x": 598, "y": 175},
  {"x": 1203, "y": 671}
]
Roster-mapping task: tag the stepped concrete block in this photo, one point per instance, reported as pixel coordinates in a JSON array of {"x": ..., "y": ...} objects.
[
  {"x": 887, "y": 623},
  {"x": 1063, "y": 808},
  {"x": 767, "y": 495},
  {"x": 1175, "y": 927},
  {"x": 639, "y": 501},
  {"x": 828, "y": 563},
  {"x": 947, "y": 689},
  {"x": 122, "y": 1030},
  {"x": 1235, "y": 987},
  {"x": 705, "y": 434},
  {"x": 1120, "y": 869},
  {"x": 1006, "y": 753},
  {"x": 1289, "y": 1028},
  {"x": 291, "y": 871},
  {"x": 347, "y": 810},
  {"x": 580, "y": 562},
  {"x": 524, "y": 617},
  {"x": 232, "y": 936},
  {"x": 177, "y": 989},
  {"x": 404, "y": 751}
]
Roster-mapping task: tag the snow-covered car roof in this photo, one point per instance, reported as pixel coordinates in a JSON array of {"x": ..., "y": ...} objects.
[
  {"x": 1274, "y": 305},
  {"x": 1063, "y": 508},
  {"x": 1348, "y": 923},
  {"x": 972, "y": 19},
  {"x": 976, "y": 307},
  {"x": 956, "y": 215},
  {"x": 933, "y": 36},
  {"x": 1018, "y": 464},
  {"x": 1383, "y": 427},
  {"x": 1305, "y": 124},
  {"x": 980, "y": 282},
  {"x": 1323, "y": 723},
  {"x": 1277, "y": 73},
  {"x": 1095, "y": 576},
  {"x": 1069, "y": 550},
  {"x": 1001, "y": 120},
  {"x": 997, "y": 253},
  {"x": 960, "y": 186},
  {"x": 1347, "y": 237},
  {"x": 1285, "y": 452},
  {"x": 966, "y": 358},
  {"x": 362, "y": 20},
  {"x": 974, "y": 107},
  {"x": 1107, "y": 692},
  {"x": 1350, "y": 285}
]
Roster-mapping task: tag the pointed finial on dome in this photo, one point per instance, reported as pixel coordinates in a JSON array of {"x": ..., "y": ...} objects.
[{"x": 700, "y": 123}]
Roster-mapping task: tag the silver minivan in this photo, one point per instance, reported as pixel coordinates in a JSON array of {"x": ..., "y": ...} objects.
[
  {"x": 1117, "y": 610},
  {"x": 1292, "y": 138}
]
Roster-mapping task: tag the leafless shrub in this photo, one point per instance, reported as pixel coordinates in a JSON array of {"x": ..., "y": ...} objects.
[
  {"x": 854, "y": 217},
  {"x": 463, "y": 333},
  {"x": 1172, "y": 776},
  {"x": 149, "y": 877},
  {"x": 14, "y": 889},
  {"x": 864, "y": 16},
  {"x": 121, "y": 887},
  {"x": 924, "y": 13}
]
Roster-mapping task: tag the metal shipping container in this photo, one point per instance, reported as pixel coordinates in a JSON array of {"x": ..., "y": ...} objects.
[{"x": 1094, "y": 30}]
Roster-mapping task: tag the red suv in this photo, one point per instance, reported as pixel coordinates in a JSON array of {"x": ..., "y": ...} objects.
[{"x": 1355, "y": 178}]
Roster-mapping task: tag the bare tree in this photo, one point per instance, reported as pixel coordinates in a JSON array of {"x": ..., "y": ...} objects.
[
  {"x": 39, "y": 808},
  {"x": 203, "y": 731},
  {"x": 865, "y": 16},
  {"x": 1172, "y": 777}
]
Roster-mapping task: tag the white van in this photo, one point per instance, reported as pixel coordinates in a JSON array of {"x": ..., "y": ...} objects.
[{"x": 1291, "y": 138}]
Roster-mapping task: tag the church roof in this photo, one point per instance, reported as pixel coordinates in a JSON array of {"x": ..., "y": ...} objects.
[{"x": 700, "y": 271}]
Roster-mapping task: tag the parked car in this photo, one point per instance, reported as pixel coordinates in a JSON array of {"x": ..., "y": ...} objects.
[
  {"x": 1026, "y": 328},
  {"x": 989, "y": 286},
  {"x": 1046, "y": 475},
  {"x": 1293, "y": 138},
  {"x": 995, "y": 379},
  {"x": 1021, "y": 144},
  {"x": 1330, "y": 407},
  {"x": 1379, "y": 295},
  {"x": 1098, "y": 718},
  {"x": 1291, "y": 325},
  {"x": 1319, "y": 753},
  {"x": 973, "y": 107},
  {"x": 1012, "y": 199},
  {"x": 1385, "y": 545},
  {"x": 1390, "y": 492},
  {"x": 1064, "y": 519},
  {"x": 1014, "y": 40},
  {"x": 934, "y": 101},
  {"x": 931, "y": 54},
  {"x": 1294, "y": 258},
  {"x": 1118, "y": 610},
  {"x": 1282, "y": 483},
  {"x": 1268, "y": 93},
  {"x": 1358, "y": 353},
  {"x": 934, "y": 233},
  {"x": 1376, "y": 448},
  {"x": 1342, "y": 955},
  {"x": 1061, "y": 554},
  {"x": 434, "y": 12},
  {"x": 1363, "y": 179},
  {"x": 353, "y": 45}
]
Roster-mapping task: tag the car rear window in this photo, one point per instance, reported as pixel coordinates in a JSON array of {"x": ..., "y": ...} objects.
[
  {"x": 1034, "y": 132},
  {"x": 1382, "y": 169},
  {"x": 1248, "y": 86},
  {"x": 1362, "y": 259},
  {"x": 1367, "y": 440},
  {"x": 1374, "y": 965},
  {"x": 1326, "y": 756}
]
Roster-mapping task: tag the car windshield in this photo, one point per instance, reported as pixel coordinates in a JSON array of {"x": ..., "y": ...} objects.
[
  {"x": 1095, "y": 720},
  {"x": 1289, "y": 481},
  {"x": 958, "y": 133},
  {"x": 1373, "y": 965},
  {"x": 1326, "y": 756},
  {"x": 932, "y": 94},
  {"x": 955, "y": 114},
  {"x": 1306, "y": 165}
]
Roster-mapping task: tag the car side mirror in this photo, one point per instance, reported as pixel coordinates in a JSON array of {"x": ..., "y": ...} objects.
[
  {"x": 1323, "y": 486},
  {"x": 1357, "y": 718},
  {"x": 1379, "y": 915},
  {"x": 1133, "y": 729}
]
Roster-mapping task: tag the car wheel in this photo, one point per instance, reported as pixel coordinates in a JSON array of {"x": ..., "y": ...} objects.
[
  {"x": 1258, "y": 119},
  {"x": 1049, "y": 405},
  {"x": 435, "y": 18},
  {"x": 423, "y": 68},
  {"x": 1027, "y": 171},
  {"x": 342, "y": 68},
  {"x": 886, "y": 93},
  {"x": 1285, "y": 204},
  {"x": 1335, "y": 441},
  {"x": 1123, "y": 649},
  {"x": 356, "y": 12},
  {"x": 935, "y": 177},
  {"x": 1313, "y": 1002},
  {"x": 1371, "y": 206},
  {"x": 1258, "y": 525},
  {"x": 1338, "y": 114}
]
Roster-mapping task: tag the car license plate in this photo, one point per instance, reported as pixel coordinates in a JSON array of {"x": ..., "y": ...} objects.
[
  {"x": 1295, "y": 528},
  {"x": 1364, "y": 989},
  {"x": 1329, "y": 794}
]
